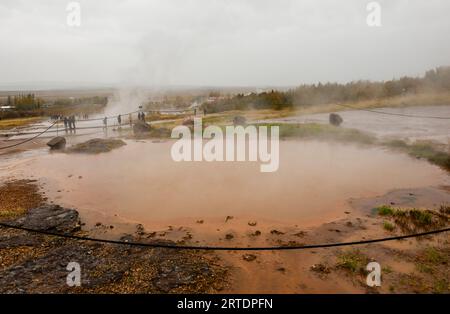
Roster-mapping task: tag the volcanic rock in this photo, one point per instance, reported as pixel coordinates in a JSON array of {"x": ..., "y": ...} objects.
[{"x": 58, "y": 142}]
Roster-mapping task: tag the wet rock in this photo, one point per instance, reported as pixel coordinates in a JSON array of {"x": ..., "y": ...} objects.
[
  {"x": 239, "y": 120},
  {"x": 16, "y": 241},
  {"x": 300, "y": 234},
  {"x": 248, "y": 257},
  {"x": 140, "y": 230},
  {"x": 57, "y": 142},
  {"x": 188, "y": 122},
  {"x": 335, "y": 119},
  {"x": 50, "y": 218},
  {"x": 161, "y": 132},
  {"x": 96, "y": 145},
  {"x": 141, "y": 127},
  {"x": 257, "y": 233}
]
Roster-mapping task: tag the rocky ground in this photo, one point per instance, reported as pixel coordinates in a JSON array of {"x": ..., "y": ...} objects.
[{"x": 33, "y": 263}]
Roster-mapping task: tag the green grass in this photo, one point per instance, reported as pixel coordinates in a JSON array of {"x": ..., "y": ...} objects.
[
  {"x": 410, "y": 220},
  {"x": 421, "y": 217},
  {"x": 388, "y": 226},
  {"x": 322, "y": 132},
  {"x": 385, "y": 210},
  {"x": 441, "y": 286},
  {"x": 10, "y": 214},
  {"x": 432, "y": 255},
  {"x": 423, "y": 150},
  {"x": 353, "y": 261}
]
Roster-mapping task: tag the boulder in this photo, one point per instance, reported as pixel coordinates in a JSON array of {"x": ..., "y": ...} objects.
[
  {"x": 188, "y": 122},
  {"x": 335, "y": 119},
  {"x": 141, "y": 127},
  {"x": 96, "y": 145},
  {"x": 52, "y": 218},
  {"x": 239, "y": 120},
  {"x": 58, "y": 142}
]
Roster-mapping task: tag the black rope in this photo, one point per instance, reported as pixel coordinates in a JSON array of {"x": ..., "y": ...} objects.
[
  {"x": 110, "y": 117},
  {"x": 394, "y": 114},
  {"x": 57, "y": 121},
  {"x": 224, "y": 248},
  {"x": 31, "y": 138}
]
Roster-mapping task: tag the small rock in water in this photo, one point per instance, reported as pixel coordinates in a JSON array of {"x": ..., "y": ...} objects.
[
  {"x": 229, "y": 236},
  {"x": 256, "y": 233},
  {"x": 335, "y": 119},
  {"x": 239, "y": 120},
  {"x": 58, "y": 142}
]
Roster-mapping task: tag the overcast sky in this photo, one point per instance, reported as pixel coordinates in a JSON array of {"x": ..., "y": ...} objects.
[{"x": 219, "y": 42}]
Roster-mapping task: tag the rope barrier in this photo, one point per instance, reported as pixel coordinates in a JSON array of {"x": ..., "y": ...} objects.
[
  {"x": 29, "y": 139},
  {"x": 58, "y": 121},
  {"x": 222, "y": 248},
  {"x": 394, "y": 114}
]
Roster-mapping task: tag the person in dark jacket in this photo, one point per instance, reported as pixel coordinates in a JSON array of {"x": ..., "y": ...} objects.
[{"x": 66, "y": 123}]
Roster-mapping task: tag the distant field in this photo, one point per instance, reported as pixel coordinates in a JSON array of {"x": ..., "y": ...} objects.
[
  {"x": 13, "y": 123},
  {"x": 49, "y": 95}
]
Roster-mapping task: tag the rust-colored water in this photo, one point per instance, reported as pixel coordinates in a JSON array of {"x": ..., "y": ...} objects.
[{"x": 140, "y": 183}]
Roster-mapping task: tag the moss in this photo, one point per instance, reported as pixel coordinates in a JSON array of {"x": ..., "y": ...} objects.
[{"x": 353, "y": 261}]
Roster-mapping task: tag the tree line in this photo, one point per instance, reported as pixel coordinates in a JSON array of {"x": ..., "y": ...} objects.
[{"x": 435, "y": 80}]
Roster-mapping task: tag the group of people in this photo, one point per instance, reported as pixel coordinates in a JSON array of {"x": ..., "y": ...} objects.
[
  {"x": 69, "y": 123},
  {"x": 119, "y": 120},
  {"x": 141, "y": 116}
]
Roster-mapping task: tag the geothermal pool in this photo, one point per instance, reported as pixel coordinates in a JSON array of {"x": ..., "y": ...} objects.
[{"x": 140, "y": 183}]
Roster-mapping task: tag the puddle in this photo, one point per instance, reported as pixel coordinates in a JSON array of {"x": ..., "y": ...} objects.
[{"x": 390, "y": 126}]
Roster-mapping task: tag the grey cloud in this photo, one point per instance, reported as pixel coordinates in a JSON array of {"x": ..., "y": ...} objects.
[{"x": 220, "y": 42}]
